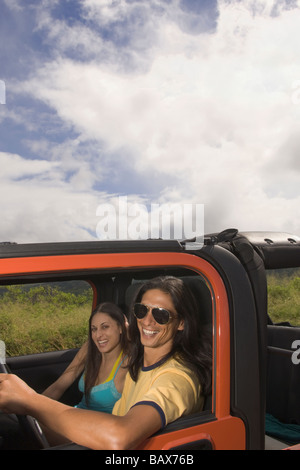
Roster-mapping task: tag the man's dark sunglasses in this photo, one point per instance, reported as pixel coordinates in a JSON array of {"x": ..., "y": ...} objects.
[{"x": 160, "y": 315}]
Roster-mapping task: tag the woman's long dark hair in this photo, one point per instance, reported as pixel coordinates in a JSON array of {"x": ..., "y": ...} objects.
[
  {"x": 94, "y": 356},
  {"x": 191, "y": 346}
]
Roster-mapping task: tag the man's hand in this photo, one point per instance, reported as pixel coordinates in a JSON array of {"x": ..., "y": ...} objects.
[{"x": 15, "y": 395}]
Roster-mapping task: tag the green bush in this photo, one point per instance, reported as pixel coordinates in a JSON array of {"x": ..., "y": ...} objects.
[
  {"x": 284, "y": 299},
  {"x": 43, "y": 318}
]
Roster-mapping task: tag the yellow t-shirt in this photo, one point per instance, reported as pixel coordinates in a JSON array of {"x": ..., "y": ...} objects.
[{"x": 172, "y": 389}]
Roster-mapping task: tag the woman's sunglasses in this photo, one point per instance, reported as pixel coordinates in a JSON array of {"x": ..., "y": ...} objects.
[{"x": 160, "y": 315}]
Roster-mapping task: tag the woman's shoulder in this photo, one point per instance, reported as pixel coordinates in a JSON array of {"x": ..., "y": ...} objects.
[{"x": 125, "y": 361}]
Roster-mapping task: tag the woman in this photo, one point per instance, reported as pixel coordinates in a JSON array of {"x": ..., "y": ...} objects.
[
  {"x": 102, "y": 359},
  {"x": 165, "y": 379}
]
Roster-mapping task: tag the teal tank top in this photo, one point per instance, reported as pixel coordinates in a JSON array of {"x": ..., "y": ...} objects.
[{"x": 103, "y": 396}]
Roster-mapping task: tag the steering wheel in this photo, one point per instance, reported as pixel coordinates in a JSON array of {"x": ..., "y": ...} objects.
[
  {"x": 33, "y": 431},
  {"x": 28, "y": 424}
]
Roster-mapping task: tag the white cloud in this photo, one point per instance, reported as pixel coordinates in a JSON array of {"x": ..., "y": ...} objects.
[
  {"x": 38, "y": 204},
  {"x": 14, "y": 167},
  {"x": 213, "y": 110}
]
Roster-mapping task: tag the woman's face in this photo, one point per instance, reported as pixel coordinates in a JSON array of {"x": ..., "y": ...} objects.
[
  {"x": 153, "y": 334},
  {"x": 106, "y": 332}
]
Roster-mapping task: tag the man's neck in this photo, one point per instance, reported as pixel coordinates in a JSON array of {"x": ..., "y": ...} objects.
[{"x": 154, "y": 355}]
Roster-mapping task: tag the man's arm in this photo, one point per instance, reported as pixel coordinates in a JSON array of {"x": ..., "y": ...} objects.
[{"x": 87, "y": 428}]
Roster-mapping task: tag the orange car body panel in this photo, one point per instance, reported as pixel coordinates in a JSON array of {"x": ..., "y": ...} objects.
[{"x": 224, "y": 434}]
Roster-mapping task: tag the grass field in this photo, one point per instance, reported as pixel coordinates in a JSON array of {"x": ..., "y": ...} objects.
[
  {"x": 43, "y": 319},
  {"x": 46, "y": 318},
  {"x": 284, "y": 297}
]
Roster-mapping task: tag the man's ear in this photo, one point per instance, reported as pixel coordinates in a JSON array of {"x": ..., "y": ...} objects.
[{"x": 181, "y": 325}]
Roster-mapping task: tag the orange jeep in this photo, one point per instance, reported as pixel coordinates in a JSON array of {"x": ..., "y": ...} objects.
[{"x": 256, "y": 364}]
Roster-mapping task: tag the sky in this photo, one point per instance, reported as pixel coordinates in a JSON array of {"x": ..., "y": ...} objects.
[{"x": 182, "y": 102}]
